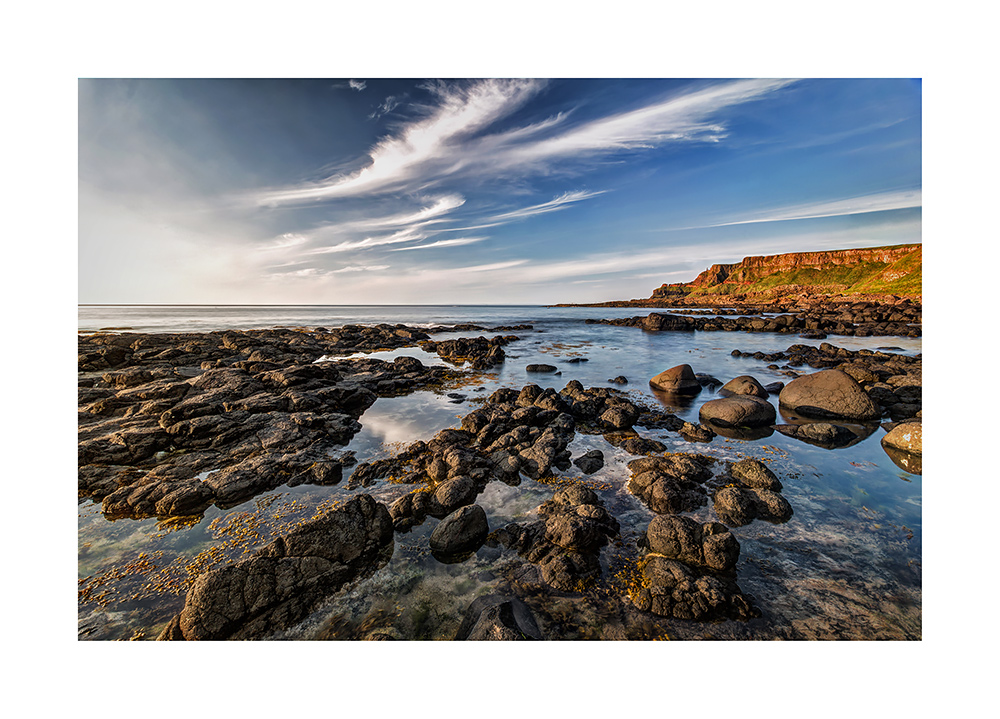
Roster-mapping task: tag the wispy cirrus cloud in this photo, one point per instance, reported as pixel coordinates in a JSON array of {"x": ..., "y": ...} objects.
[
  {"x": 442, "y": 243},
  {"x": 452, "y": 138},
  {"x": 556, "y": 203},
  {"x": 863, "y": 204}
]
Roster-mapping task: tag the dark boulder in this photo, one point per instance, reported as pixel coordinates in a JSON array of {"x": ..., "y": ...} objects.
[
  {"x": 590, "y": 462},
  {"x": 462, "y": 531}
]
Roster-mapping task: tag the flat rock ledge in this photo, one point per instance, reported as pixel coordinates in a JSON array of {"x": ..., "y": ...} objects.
[{"x": 283, "y": 581}]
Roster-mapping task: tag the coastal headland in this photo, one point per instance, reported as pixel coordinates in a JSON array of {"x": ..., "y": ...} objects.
[{"x": 834, "y": 277}]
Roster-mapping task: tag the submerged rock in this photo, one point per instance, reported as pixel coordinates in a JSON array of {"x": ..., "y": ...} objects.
[
  {"x": 281, "y": 582},
  {"x": 498, "y": 618}
]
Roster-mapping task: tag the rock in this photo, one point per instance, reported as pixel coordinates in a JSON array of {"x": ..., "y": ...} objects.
[
  {"x": 774, "y": 387},
  {"x": 540, "y": 368},
  {"x": 566, "y": 542},
  {"x": 672, "y": 483},
  {"x": 710, "y": 545},
  {"x": 498, "y": 618},
  {"x": 738, "y": 411},
  {"x": 821, "y": 434},
  {"x": 696, "y": 432},
  {"x": 464, "y": 530},
  {"x": 737, "y": 506},
  {"x": 620, "y": 379},
  {"x": 755, "y": 474},
  {"x": 590, "y": 462},
  {"x": 906, "y": 436},
  {"x": 743, "y": 385},
  {"x": 672, "y": 589},
  {"x": 454, "y": 493},
  {"x": 280, "y": 583},
  {"x": 620, "y": 416},
  {"x": 677, "y": 380},
  {"x": 828, "y": 394}
]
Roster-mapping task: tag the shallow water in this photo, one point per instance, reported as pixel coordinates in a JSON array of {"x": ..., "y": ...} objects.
[{"x": 846, "y": 566}]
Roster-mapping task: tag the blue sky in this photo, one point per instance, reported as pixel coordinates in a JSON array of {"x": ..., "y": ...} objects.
[{"x": 361, "y": 190}]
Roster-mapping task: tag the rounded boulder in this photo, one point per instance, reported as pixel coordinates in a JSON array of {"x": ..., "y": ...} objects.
[
  {"x": 828, "y": 394},
  {"x": 738, "y": 411},
  {"x": 677, "y": 380}
]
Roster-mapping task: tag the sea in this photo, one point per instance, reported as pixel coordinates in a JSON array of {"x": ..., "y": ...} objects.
[{"x": 846, "y": 566}]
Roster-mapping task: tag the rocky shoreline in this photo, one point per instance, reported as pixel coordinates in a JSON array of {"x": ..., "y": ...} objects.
[{"x": 171, "y": 424}]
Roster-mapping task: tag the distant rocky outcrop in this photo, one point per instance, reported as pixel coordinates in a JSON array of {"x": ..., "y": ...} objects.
[{"x": 875, "y": 271}]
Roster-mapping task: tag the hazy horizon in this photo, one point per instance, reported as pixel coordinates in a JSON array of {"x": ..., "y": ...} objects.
[{"x": 477, "y": 192}]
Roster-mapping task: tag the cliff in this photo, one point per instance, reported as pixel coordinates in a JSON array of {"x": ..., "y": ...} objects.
[{"x": 877, "y": 271}]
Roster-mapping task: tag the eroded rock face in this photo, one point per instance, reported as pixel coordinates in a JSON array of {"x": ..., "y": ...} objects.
[
  {"x": 280, "y": 583},
  {"x": 828, "y": 394},
  {"x": 566, "y": 542},
  {"x": 671, "y": 483}
]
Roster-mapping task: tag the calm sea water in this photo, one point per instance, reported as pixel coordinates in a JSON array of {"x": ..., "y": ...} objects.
[{"x": 846, "y": 566}]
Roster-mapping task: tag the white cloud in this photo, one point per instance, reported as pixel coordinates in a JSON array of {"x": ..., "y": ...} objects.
[
  {"x": 447, "y": 141},
  {"x": 877, "y": 202},
  {"x": 557, "y": 203},
  {"x": 442, "y": 243},
  {"x": 358, "y": 85}
]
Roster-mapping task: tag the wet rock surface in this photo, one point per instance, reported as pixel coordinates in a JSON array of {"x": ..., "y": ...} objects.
[
  {"x": 753, "y": 494},
  {"x": 280, "y": 583},
  {"x": 182, "y": 438},
  {"x": 672, "y": 483},
  {"x": 566, "y": 542},
  {"x": 148, "y": 434}
]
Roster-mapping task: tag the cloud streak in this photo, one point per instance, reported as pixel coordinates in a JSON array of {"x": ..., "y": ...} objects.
[
  {"x": 450, "y": 139},
  {"x": 864, "y": 204}
]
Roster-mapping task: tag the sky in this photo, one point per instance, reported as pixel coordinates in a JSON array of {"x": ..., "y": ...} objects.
[{"x": 488, "y": 191}]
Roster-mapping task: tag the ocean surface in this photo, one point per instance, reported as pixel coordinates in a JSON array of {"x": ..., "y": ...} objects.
[{"x": 846, "y": 566}]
